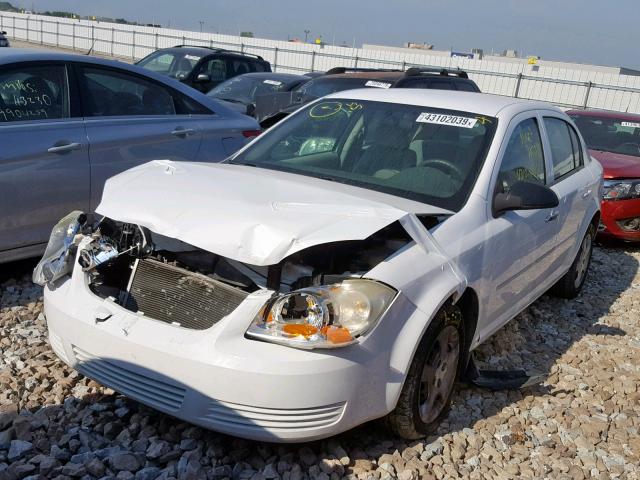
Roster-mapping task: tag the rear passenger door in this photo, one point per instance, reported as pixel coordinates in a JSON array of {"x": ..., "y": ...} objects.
[
  {"x": 570, "y": 180},
  {"x": 131, "y": 120},
  {"x": 44, "y": 164}
]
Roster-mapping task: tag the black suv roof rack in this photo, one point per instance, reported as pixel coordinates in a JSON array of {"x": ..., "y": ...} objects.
[
  {"x": 340, "y": 70},
  {"x": 417, "y": 71},
  {"x": 215, "y": 49}
]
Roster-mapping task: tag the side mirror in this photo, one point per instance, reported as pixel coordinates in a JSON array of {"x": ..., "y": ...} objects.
[
  {"x": 524, "y": 196},
  {"x": 251, "y": 109},
  {"x": 203, "y": 78}
]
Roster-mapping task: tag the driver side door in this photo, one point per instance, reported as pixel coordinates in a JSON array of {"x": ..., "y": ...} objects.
[{"x": 521, "y": 243}]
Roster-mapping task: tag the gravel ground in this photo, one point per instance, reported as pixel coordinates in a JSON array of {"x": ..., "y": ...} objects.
[{"x": 581, "y": 423}]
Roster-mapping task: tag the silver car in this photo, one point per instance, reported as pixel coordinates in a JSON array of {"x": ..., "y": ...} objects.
[{"x": 69, "y": 122}]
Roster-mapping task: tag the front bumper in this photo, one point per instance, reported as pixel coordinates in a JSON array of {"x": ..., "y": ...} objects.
[
  {"x": 217, "y": 378},
  {"x": 614, "y": 212}
]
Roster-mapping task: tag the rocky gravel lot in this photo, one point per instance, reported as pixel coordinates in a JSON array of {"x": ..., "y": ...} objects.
[{"x": 581, "y": 423}]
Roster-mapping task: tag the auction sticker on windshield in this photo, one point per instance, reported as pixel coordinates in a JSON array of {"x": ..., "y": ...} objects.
[
  {"x": 273, "y": 82},
  {"x": 373, "y": 83},
  {"x": 451, "y": 120}
]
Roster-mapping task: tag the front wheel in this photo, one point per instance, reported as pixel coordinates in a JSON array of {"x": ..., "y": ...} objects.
[
  {"x": 570, "y": 284},
  {"x": 427, "y": 390}
]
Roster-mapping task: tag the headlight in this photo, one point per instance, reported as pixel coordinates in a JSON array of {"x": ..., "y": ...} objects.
[
  {"x": 55, "y": 261},
  {"x": 323, "y": 317},
  {"x": 621, "y": 189}
]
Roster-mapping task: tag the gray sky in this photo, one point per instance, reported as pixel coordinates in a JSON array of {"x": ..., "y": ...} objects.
[{"x": 586, "y": 31}]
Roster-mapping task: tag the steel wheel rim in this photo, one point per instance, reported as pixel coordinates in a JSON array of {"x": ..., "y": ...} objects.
[
  {"x": 439, "y": 373},
  {"x": 583, "y": 259}
]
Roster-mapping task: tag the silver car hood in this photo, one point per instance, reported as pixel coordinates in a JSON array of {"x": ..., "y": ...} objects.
[{"x": 248, "y": 214}]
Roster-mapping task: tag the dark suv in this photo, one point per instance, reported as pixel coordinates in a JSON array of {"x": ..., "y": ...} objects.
[
  {"x": 202, "y": 67},
  {"x": 338, "y": 79}
]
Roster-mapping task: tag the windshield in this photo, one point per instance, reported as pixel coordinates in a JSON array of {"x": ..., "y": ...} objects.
[
  {"x": 610, "y": 134},
  {"x": 245, "y": 89},
  {"x": 421, "y": 153},
  {"x": 321, "y": 87},
  {"x": 174, "y": 64}
]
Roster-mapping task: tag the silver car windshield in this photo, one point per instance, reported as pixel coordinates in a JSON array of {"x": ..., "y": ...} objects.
[{"x": 425, "y": 154}]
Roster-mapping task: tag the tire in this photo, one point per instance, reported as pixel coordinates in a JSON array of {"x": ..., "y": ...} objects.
[
  {"x": 426, "y": 393},
  {"x": 571, "y": 283}
]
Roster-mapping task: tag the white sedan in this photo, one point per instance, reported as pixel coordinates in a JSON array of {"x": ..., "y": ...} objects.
[{"x": 338, "y": 269}]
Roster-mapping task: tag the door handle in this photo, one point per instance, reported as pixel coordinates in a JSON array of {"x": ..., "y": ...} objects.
[
  {"x": 66, "y": 147},
  {"x": 586, "y": 193},
  {"x": 183, "y": 132},
  {"x": 552, "y": 216}
]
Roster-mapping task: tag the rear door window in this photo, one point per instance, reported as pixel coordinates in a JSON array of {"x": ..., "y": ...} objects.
[
  {"x": 259, "y": 67},
  {"x": 428, "y": 82},
  {"x": 113, "y": 93},
  {"x": 31, "y": 93},
  {"x": 466, "y": 87},
  {"x": 565, "y": 151},
  {"x": 240, "y": 66}
]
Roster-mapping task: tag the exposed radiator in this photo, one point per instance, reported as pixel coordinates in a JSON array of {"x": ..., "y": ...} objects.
[{"x": 180, "y": 297}]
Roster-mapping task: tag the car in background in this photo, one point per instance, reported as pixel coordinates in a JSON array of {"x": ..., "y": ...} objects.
[
  {"x": 270, "y": 111},
  {"x": 4, "y": 41},
  {"x": 338, "y": 269},
  {"x": 69, "y": 122},
  {"x": 614, "y": 140},
  {"x": 202, "y": 67},
  {"x": 242, "y": 91}
]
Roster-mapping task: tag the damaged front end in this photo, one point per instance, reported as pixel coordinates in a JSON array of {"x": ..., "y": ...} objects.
[{"x": 317, "y": 297}]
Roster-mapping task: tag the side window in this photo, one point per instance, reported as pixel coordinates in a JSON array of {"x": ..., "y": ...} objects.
[
  {"x": 577, "y": 147},
  {"x": 161, "y": 64},
  {"x": 34, "y": 93},
  {"x": 113, "y": 93},
  {"x": 564, "y": 146},
  {"x": 258, "y": 67},
  {"x": 466, "y": 87},
  {"x": 523, "y": 159},
  {"x": 427, "y": 82},
  {"x": 188, "y": 106},
  {"x": 240, "y": 66},
  {"x": 216, "y": 68},
  {"x": 440, "y": 85}
]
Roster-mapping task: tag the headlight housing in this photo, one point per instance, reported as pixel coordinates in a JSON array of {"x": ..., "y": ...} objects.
[
  {"x": 327, "y": 316},
  {"x": 55, "y": 262},
  {"x": 621, "y": 189}
]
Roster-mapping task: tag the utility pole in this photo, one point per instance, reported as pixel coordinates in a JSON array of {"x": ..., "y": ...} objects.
[
  {"x": 306, "y": 35},
  {"x": 201, "y": 22}
]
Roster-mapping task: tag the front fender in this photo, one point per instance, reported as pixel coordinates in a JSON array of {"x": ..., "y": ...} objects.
[{"x": 427, "y": 278}]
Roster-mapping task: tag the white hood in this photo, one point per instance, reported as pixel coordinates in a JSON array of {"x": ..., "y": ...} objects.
[{"x": 247, "y": 214}]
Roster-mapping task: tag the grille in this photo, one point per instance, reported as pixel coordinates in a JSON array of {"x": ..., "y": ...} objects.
[
  {"x": 174, "y": 295},
  {"x": 227, "y": 414},
  {"x": 155, "y": 393}
]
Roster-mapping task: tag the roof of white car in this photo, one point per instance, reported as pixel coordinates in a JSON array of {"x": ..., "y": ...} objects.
[{"x": 481, "y": 103}]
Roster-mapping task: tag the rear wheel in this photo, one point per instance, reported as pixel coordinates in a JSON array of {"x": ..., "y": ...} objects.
[
  {"x": 426, "y": 394},
  {"x": 571, "y": 283}
]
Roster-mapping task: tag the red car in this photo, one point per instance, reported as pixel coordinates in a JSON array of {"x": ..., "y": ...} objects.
[{"x": 614, "y": 140}]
